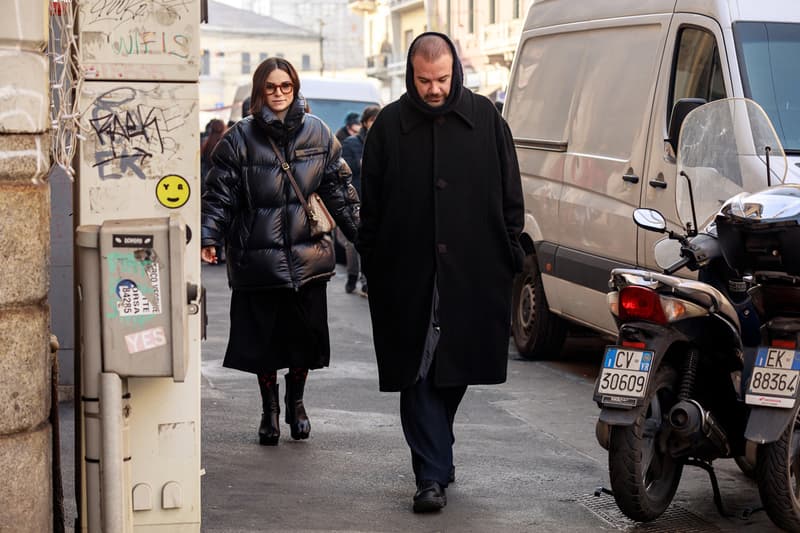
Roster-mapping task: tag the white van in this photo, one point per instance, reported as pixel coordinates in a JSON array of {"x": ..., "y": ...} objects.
[
  {"x": 590, "y": 103},
  {"x": 330, "y": 99}
]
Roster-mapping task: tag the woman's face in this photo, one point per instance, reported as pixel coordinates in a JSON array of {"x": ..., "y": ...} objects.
[{"x": 277, "y": 100}]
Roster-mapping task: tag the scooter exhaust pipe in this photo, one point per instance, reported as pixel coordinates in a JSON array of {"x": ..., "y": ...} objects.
[{"x": 690, "y": 421}]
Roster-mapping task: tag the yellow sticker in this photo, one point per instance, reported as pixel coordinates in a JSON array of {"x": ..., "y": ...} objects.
[{"x": 172, "y": 191}]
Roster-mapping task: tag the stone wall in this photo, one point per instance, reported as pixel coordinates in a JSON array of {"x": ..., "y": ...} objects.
[{"x": 25, "y": 358}]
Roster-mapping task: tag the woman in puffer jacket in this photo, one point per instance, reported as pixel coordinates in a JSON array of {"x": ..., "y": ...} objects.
[{"x": 276, "y": 269}]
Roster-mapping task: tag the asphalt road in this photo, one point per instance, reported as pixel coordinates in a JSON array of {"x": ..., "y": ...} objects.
[{"x": 525, "y": 454}]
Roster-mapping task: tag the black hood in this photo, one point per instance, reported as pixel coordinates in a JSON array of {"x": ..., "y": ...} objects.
[{"x": 456, "y": 84}]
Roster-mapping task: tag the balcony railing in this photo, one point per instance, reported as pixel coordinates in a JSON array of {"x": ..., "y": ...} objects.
[
  {"x": 362, "y": 6},
  {"x": 402, "y": 5},
  {"x": 500, "y": 38},
  {"x": 377, "y": 65}
]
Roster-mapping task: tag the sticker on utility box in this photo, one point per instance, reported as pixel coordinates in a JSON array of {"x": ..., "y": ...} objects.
[
  {"x": 132, "y": 302},
  {"x": 132, "y": 241},
  {"x": 146, "y": 340}
]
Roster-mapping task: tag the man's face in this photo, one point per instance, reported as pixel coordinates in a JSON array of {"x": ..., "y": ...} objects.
[
  {"x": 432, "y": 78},
  {"x": 352, "y": 129}
]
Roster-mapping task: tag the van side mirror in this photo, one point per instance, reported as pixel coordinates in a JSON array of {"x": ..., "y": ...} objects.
[{"x": 682, "y": 107}]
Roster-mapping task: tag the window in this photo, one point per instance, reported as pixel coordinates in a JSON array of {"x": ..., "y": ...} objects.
[
  {"x": 768, "y": 53},
  {"x": 245, "y": 62},
  {"x": 279, "y": 54},
  {"x": 262, "y": 57},
  {"x": 697, "y": 70},
  {"x": 205, "y": 63},
  {"x": 492, "y": 11},
  {"x": 516, "y": 8},
  {"x": 408, "y": 36},
  {"x": 306, "y": 62}
]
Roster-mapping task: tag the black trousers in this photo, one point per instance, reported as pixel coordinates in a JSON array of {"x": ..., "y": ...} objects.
[{"x": 427, "y": 413}]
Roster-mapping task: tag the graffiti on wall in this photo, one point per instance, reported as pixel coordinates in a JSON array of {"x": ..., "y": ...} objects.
[
  {"x": 120, "y": 12},
  {"x": 135, "y": 132}
]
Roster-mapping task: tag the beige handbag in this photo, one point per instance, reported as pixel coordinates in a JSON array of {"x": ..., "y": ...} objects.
[{"x": 319, "y": 218}]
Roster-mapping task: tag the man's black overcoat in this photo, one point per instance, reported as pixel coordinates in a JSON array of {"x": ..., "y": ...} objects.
[{"x": 441, "y": 199}]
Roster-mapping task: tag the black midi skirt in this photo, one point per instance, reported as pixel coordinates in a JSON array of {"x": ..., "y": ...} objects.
[{"x": 279, "y": 328}]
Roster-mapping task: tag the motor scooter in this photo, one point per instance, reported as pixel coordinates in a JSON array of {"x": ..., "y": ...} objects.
[
  {"x": 759, "y": 235},
  {"x": 670, "y": 390}
]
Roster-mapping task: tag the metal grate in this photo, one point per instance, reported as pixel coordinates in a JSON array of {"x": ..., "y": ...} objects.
[{"x": 675, "y": 518}]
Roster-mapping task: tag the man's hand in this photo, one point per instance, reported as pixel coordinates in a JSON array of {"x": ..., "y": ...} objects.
[{"x": 209, "y": 254}]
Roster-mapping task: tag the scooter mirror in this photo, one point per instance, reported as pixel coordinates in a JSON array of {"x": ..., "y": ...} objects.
[
  {"x": 667, "y": 252},
  {"x": 650, "y": 219}
]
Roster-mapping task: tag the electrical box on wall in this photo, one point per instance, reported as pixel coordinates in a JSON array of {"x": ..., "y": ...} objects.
[
  {"x": 139, "y": 40},
  {"x": 144, "y": 298}
]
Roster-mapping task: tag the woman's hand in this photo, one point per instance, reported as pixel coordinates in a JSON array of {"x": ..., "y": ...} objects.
[{"x": 209, "y": 254}]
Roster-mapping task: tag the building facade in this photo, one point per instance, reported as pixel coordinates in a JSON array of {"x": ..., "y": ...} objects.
[
  {"x": 234, "y": 42},
  {"x": 485, "y": 33},
  {"x": 341, "y": 30}
]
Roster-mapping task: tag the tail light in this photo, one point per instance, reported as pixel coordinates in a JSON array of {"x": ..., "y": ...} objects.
[
  {"x": 640, "y": 303},
  {"x": 790, "y": 344}
]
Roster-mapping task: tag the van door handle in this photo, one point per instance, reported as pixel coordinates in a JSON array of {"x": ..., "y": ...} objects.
[
  {"x": 630, "y": 178},
  {"x": 658, "y": 184}
]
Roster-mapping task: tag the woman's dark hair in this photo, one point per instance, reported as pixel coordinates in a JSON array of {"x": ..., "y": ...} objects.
[
  {"x": 371, "y": 111},
  {"x": 257, "y": 94},
  {"x": 216, "y": 128}
]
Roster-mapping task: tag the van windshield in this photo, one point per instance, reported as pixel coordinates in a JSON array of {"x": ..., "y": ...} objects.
[
  {"x": 334, "y": 112},
  {"x": 768, "y": 53}
]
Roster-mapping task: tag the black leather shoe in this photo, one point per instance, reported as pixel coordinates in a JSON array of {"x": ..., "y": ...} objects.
[
  {"x": 350, "y": 286},
  {"x": 430, "y": 497}
]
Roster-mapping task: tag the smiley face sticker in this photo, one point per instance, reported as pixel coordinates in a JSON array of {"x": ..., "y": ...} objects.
[{"x": 172, "y": 191}]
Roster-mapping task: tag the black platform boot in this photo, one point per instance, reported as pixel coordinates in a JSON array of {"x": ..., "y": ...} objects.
[
  {"x": 269, "y": 430},
  {"x": 295, "y": 410}
]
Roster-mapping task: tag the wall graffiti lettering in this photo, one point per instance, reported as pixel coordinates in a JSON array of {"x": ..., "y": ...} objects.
[
  {"x": 124, "y": 11},
  {"x": 130, "y": 129},
  {"x": 152, "y": 42}
]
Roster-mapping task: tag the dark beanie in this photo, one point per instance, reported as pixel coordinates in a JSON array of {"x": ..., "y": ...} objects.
[{"x": 351, "y": 119}]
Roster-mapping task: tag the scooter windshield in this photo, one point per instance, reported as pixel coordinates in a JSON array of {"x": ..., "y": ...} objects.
[{"x": 725, "y": 147}]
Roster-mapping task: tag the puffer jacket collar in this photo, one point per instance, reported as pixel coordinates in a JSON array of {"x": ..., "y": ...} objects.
[{"x": 282, "y": 130}]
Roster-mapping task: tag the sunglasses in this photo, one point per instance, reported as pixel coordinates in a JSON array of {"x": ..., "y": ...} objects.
[{"x": 285, "y": 87}]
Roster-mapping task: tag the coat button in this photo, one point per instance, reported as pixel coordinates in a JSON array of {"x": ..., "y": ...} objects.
[
  {"x": 442, "y": 248},
  {"x": 441, "y": 184}
]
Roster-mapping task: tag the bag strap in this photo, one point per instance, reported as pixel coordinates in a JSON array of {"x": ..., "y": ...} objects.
[{"x": 285, "y": 167}]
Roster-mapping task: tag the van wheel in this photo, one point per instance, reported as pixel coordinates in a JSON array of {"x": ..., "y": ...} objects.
[{"x": 538, "y": 333}]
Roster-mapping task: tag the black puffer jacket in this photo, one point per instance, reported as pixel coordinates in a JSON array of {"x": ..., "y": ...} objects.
[{"x": 250, "y": 205}]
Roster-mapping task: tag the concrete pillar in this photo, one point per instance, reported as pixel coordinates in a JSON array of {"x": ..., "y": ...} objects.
[{"x": 25, "y": 359}]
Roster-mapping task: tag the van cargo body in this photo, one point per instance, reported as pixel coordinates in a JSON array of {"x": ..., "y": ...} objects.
[{"x": 589, "y": 103}]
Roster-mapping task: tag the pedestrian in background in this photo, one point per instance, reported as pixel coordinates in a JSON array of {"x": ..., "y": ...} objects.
[
  {"x": 440, "y": 182},
  {"x": 352, "y": 148},
  {"x": 216, "y": 128},
  {"x": 277, "y": 270},
  {"x": 351, "y": 126}
]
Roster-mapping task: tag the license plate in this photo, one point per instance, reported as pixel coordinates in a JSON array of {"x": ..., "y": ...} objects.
[
  {"x": 625, "y": 373},
  {"x": 774, "y": 381}
]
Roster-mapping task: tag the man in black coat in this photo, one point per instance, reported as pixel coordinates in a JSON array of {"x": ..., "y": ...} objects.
[{"x": 441, "y": 217}]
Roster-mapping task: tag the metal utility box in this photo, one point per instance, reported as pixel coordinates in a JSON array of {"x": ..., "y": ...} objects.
[{"x": 144, "y": 301}]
